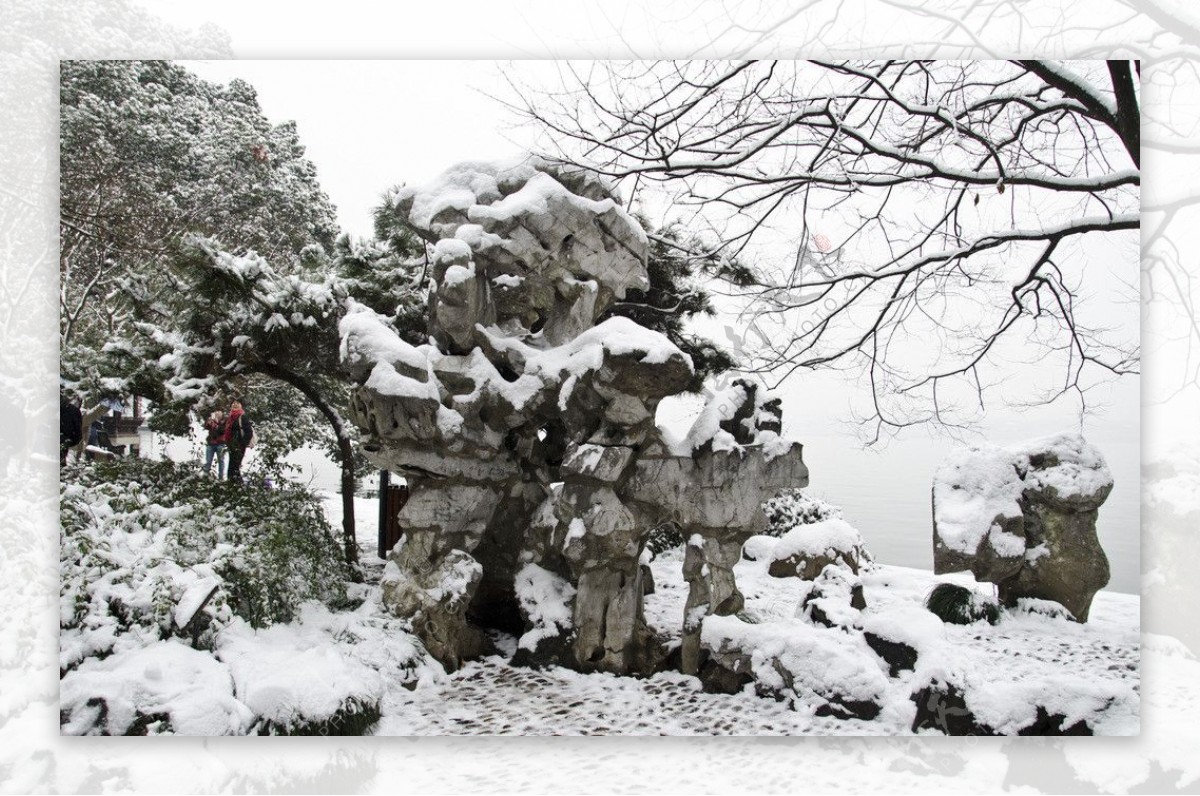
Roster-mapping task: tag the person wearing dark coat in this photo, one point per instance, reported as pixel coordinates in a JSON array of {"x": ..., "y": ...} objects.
[
  {"x": 70, "y": 426},
  {"x": 214, "y": 443},
  {"x": 238, "y": 431}
]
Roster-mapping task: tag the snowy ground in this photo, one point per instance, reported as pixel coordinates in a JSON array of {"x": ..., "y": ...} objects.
[{"x": 1089, "y": 670}]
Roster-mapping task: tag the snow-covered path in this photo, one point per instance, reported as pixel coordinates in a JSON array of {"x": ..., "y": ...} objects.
[{"x": 490, "y": 697}]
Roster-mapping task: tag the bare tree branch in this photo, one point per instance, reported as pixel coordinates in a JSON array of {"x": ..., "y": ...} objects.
[{"x": 956, "y": 204}]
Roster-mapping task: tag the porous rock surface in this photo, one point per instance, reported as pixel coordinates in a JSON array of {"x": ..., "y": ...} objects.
[
  {"x": 1024, "y": 518},
  {"x": 526, "y": 431}
]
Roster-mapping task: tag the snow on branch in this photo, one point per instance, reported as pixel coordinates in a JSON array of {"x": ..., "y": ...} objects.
[{"x": 958, "y": 204}]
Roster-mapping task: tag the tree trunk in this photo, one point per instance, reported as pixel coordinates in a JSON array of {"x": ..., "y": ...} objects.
[{"x": 345, "y": 454}]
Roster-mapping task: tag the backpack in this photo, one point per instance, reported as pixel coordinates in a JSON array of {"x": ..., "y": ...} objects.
[{"x": 244, "y": 432}]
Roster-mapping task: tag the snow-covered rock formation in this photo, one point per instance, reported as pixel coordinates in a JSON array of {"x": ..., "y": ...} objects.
[
  {"x": 1024, "y": 518},
  {"x": 526, "y": 431}
]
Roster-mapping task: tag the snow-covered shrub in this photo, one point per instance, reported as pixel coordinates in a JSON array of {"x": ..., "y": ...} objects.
[
  {"x": 792, "y": 507},
  {"x": 665, "y": 536},
  {"x": 959, "y": 605},
  {"x": 355, "y": 716},
  {"x": 321, "y": 674},
  {"x": 155, "y": 549}
]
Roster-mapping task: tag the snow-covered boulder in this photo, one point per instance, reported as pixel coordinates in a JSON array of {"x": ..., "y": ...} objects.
[
  {"x": 538, "y": 227},
  {"x": 547, "y": 606},
  {"x": 526, "y": 429},
  {"x": 436, "y": 594},
  {"x": 834, "y": 600},
  {"x": 826, "y": 671},
  {"x": 164, "y": 688},
  {"x": 901, "y": 634},
  {"x": 966, "y": 697},
  {"x": 1024, "y": 517},
  {"x": 806, "y": 550}
]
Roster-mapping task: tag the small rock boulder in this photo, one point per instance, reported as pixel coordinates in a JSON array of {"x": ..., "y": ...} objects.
[
  {"x": 901, "y": 634},
  {"x": 1024, "y": 518},
  {"x": 806, "y": 550},
  {"x": 828, "y": 672},
  {"x": 834, "y": 600},
  {"x": 944, "y": 708}
]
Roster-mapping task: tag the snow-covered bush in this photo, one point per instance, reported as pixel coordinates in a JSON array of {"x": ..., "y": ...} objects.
[
  {"x": 321, "y": 674},
  {"x": 785, "y": 511},
  {"x": 155, "y": 549},
  {"x": 165, "y": 687},
  {"x": 959, "y": 605},
  {"x": 792, "y": 507}
]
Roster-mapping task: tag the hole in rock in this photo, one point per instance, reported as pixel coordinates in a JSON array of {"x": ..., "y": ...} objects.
[
  {"x": 506, "y": 372},
  {"x": 495, "y": 605},
  {"x": 495, "y": 608}
]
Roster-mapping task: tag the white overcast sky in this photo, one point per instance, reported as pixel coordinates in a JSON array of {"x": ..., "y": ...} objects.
[{"x": 372, "y": 124}]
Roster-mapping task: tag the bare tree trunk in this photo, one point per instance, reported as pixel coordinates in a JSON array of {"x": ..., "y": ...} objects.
[{"x": 345, "y": 454}]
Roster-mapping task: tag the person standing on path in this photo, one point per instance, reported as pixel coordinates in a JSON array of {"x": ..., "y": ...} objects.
[
  {"x": 238, "y": 432},
  {"x": 215, "y": 443}
]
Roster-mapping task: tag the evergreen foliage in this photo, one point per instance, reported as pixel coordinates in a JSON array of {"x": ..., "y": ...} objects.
[
  {"x": 676, "y": 268},
  {"x": 958, "y": 605},
  {"x": 235, "y": 326},
  {"x": 150, "y": 153},
  {"x": 792, "y": 507}
]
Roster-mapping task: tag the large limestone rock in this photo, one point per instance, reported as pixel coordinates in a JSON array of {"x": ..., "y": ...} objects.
[
  {"x": 1024, "y": 518},
  {"x": 527, "y": 431}
]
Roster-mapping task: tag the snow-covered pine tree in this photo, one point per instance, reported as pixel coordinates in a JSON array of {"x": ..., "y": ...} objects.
[
  {"x": 677, "y": 267},
  {"x": 231, "y": 319},
  {"x": 149, "y": 152}
]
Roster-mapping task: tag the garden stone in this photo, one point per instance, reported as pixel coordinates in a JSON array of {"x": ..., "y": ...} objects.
[
  {"x": 1024, "y": 518},
  {"x": 526, "y": 431}
]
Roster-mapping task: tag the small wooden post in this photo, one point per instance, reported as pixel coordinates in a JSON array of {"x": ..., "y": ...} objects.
[
  {"x": 384, "y": 480},
  {"x": 392, "y": 498}
]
